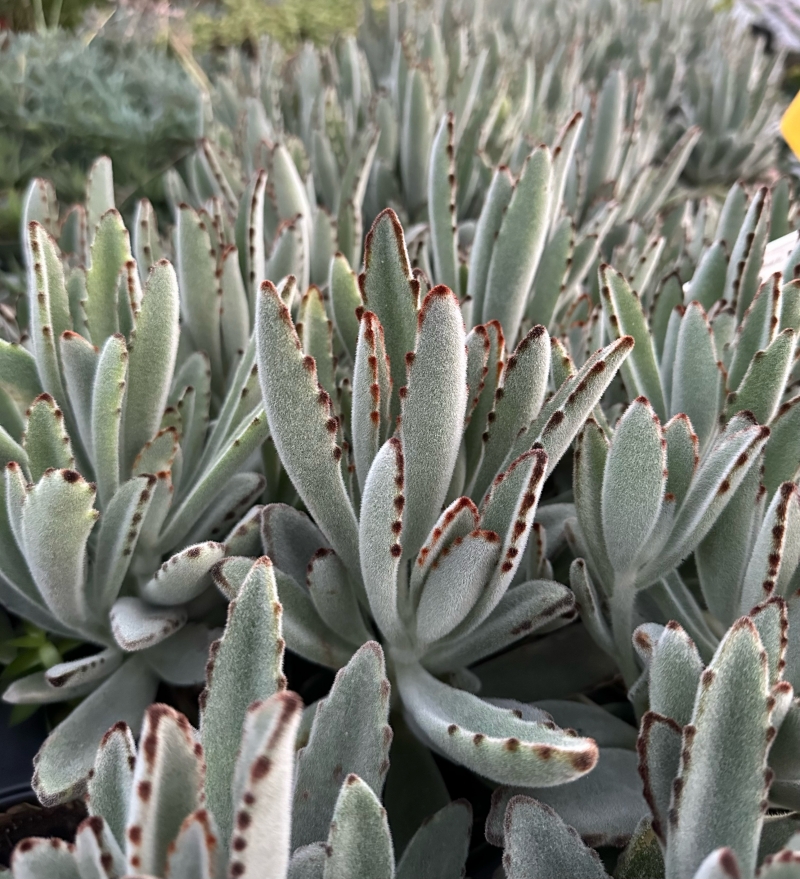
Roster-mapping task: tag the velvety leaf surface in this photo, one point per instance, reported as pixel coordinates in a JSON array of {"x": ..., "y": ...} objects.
[{"x": 350, "y": 734}]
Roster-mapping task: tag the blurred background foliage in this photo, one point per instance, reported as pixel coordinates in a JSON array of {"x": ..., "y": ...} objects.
[
  {"x": 82, "y": 78},
  {"x": 220, "y": 23},
  {"x": 28, "y": 15},
  {"x": 241, "y": 22}
]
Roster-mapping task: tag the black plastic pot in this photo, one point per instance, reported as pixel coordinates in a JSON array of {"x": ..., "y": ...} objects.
[
  {"x": 20, "y": 815},
  {"x": 18, "y": 746}
]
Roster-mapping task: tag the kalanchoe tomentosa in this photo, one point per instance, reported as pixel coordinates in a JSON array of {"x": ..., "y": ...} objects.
[
  {"x": 648, "y": 496},
  {"x": 714, "y": 750},
  {"x": 218, "y": 802},
  {"x": 123, "y": 561},
  {"x": 393, "y": 487}
]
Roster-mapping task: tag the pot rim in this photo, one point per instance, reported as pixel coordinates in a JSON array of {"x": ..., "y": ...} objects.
[{"x": 15, "y": 795}]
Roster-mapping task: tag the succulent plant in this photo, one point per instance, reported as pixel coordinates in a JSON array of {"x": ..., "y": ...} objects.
[
  {"x": 659, "y": 518},
  {"x": 735, "y": 97},
  {"x": 369, "y": 459},
  {"x": 718, "y": 378},
  {"x": 197, "y": 804},
  {"x": 712, "y": 747},
  {"x": 395, "y": 533},
  {"x": 114, "y": 396}
]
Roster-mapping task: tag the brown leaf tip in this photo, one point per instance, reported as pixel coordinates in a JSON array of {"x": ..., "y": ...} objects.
[{"x": 583, "y": 761}]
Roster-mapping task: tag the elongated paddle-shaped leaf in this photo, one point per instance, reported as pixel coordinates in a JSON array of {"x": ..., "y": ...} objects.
[
  {"x": 262, "y": 787},
  {"x": 151, "y": 358},
  {"x": 627, "y": 318},
  {"x": 436, "y": 383},
  {"x": 300, "y": 422},
  {"x": 633, "y": 484},
  {"x": 349, "y": 735},
  {"x": 442, "y": 204},
  {"x": 729, "y": 728},
  {"x": 245, "y": 665},
  {"x": 168, "y": 786},
  {"x": 519, "y": 244},
  {"x": 492, "y": 741}
]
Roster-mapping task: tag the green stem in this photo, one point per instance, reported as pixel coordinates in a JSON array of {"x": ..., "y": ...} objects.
[{"x": 622, "y": 602}]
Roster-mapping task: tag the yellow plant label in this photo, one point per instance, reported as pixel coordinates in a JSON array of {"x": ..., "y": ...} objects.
[{"x": 790, "y": 125}]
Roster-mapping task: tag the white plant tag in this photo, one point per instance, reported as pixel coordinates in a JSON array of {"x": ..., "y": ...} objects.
[{"x": 777, "y": 253}]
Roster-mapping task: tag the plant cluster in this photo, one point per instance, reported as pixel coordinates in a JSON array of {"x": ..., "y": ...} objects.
[{"x": 538, "y": 432}]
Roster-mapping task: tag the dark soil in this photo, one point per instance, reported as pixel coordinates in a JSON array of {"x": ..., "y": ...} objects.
[{"x": 26, "y": 819}]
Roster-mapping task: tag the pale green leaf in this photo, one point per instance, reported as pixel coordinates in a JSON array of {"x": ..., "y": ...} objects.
[
  {"x": 99, "y": 192},
  {"x": 314, "y": 330},
  {"x": 46, "y": 442},
  {"x": 762, "y": 387},
  {"x": 111, "y": 250},
  {"x": 64, "y": 760},
  {"x": 199, "y": 300},
  {"x": 518, "y": 401},
  {"x": 111, "y": 784},
  {"x": 489, "y": 740},
  {"x": 436, "y": 383},
  {"x": 659, "y": 749},
  {"x": 519, "y": 244},
  {"x": 262, "y": 787},
  {"x": 359, "y": 842},
  {"x": 137, "y": 625},
  {"x": 151, "y": 358},
  {"x": 183, "y": 576},
  {"x": 79, "y": 363},
  {"x": 539, "y": 845},
  {"x": 633, "y": 485},
  {"x": 345, "y": 298},
  {"x": 442, "y": 204},
  {"x": 334, "y": 597},
  {"x": 729, "y": 727},
  {"x": 625, "y": 314},
  {"x": 299, "y": 419},
  {"x": 350, "y": 734},
  {"x": 169, "y": 769},
  {"x": 697, "y": 378},
  {"x": 491, "y": 217},
  {"x": 391, "y": 291},
  {"x": 245, "y": 665},
  {"x": 108, "y": 397},
  {"x": 195, "y": 852},
  {"x": 57, "y": 518},
  {"x": 371, "y": 395}
]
